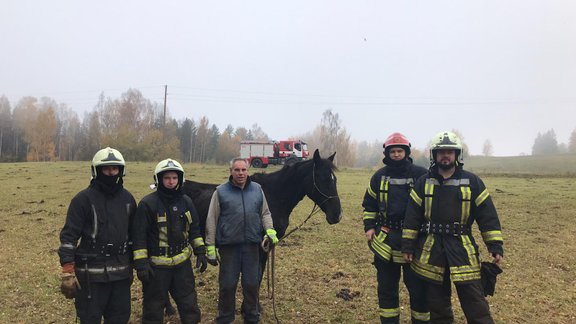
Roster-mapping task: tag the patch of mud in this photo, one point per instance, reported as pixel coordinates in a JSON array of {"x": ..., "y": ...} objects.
[{"x": 347, "y": 294}]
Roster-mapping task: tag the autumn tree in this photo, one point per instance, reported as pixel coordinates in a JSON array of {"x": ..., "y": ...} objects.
[
  {"x": 258, "y": 134},
  {"x": 136, "y": 127},
  {"x": 420, "y": 157},
  {"x": 124, "y": 122},
  {"x": 334, "y": 138},
  {"x": 371, "y": 154},
  {"x": 228, "y": 145},
  {"x": 69, "y": 136},
  {"x": 25, "y": 115},
  {"x": 487, "y": 148},
  {"x": 200, "y": 147},
  {"x": 466, "y": 151},
  {"x": 243, "y": 134},
  {"x": 42, "y": 136}
]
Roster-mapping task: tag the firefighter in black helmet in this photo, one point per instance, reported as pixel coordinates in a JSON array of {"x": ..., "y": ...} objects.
[
  {"x": 384, "y": 206},
  {"x": 166, "y": 234},
  {"x": 443, "y": 206},
  {"x": 96, "y": 271}
]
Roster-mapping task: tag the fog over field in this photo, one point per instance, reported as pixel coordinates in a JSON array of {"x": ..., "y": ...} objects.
[{"x": 498, "y": 71}]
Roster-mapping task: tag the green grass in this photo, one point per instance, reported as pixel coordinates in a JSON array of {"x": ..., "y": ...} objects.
[{"x": 312, "y": 265}]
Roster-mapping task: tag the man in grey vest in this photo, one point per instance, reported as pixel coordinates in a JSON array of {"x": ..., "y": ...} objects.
[{"x": 238, "y": 219}]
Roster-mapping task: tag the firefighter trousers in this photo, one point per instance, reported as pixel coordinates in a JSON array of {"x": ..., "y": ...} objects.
[
  {"x": 388, "y": 275},
  {"x": 235, "y": 260},
  {"x": 179, "y": 281},
  {"x": 110, "y": 300},
  {"x": 472, "y": 301}
]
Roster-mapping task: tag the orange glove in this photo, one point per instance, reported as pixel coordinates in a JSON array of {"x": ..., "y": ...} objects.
[
  {"x": 70, "y": 285},
  {"x": 68, "y": 267}
]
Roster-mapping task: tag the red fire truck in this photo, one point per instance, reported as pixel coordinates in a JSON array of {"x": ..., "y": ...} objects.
[{"x": 262, "y": 153}]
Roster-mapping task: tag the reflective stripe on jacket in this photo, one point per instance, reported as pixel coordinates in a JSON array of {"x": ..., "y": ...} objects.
[
  {"x": 456, "y": 202},
  {"x": 384, "y": 205},
  {"x": 166, "y": 232},
  {"x": 96, "y": 233}
]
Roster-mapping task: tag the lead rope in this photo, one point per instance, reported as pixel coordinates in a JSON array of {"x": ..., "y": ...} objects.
[{"x": 271, "y": 270}]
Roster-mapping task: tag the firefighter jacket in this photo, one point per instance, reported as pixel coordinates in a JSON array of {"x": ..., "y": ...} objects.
[
  {"x": 166, "y": 231},
  {"x": 100, "y": 220},
  {"x": 384, "y": 205},
  {"x": 237, "y": 215},
  {"x": 444, "y": 211}
]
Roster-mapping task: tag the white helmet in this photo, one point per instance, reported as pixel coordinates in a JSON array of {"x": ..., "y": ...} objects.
[
  {"x": 446, "y": 141},
  {"x": 168, "y": 165},
  {"x": 108, "y": 156}
]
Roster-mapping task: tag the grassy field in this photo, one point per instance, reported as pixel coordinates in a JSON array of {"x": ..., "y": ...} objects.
[{"x": 312, "y": 266}]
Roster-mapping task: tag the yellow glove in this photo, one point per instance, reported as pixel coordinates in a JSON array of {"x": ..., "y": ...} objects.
[
  {"x": 271, "y": 233},
  {"x": 212, "y": 255}
]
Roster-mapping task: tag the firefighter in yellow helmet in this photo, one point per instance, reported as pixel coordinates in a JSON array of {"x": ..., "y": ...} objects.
[
  {"x": 384, "y": 207},
  {"x": 96, "y": 270},
  {"x": 443, "y": 206},
  {"x": 166, "y": 233}
]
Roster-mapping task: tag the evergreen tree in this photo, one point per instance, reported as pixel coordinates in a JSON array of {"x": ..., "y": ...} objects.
[{"x": 545, "y": 143}]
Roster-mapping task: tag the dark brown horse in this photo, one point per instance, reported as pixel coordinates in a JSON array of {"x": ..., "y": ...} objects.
[{"x": 283, "y": 189}]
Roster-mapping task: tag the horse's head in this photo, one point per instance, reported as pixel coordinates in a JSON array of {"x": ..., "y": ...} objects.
[{"x": 322, "y": 189}]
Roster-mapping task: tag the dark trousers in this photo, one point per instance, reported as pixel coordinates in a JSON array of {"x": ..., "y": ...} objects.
[
  {"x": 235, "y": 260},
  {"x": 110, "y": 300},
  {"x": 472, "y": 301},
  {"x": 388, "y": 275},
  {"x": 179, "y": 281}
]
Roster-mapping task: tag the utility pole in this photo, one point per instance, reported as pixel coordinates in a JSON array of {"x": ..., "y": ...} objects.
[{"x": 165, "y": 95}]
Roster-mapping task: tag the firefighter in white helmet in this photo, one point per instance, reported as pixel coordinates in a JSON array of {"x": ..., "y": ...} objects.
[
  {"x": 96, "y": 270},
  {"x": 384, "y": 207},
  {"x": 437, "y": 237},
  {"x": 166, "y": 235}
]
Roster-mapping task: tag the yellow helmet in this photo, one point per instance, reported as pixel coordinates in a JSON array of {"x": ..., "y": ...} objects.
[
  {"x": 446, "y": 141},
  {"x": 108, "y": 156},
  {"x": 168, "y": 165}
]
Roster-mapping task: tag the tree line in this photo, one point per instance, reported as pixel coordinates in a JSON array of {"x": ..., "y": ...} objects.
[
  {"x": 45, "y": 130},
  {"x": 546, "y": 143}
]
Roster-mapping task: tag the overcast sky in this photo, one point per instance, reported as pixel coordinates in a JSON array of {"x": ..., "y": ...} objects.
[{"x": 497, "y": 70}]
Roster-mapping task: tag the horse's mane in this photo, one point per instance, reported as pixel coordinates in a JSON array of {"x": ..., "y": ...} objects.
[{"x": 289, "y": 172}]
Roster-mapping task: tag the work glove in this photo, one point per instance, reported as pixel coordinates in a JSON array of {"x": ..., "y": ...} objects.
[
  {"x": 488, "y": 273},
  {"x": 201, "y": 262},
  {"x": 212, "y": 255},
  {"x": 271, "y": 233},
  {"x": 145, "y": 272},
  {"x": 69, "y": 285},
  {"x": 269, "y": 240}
]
